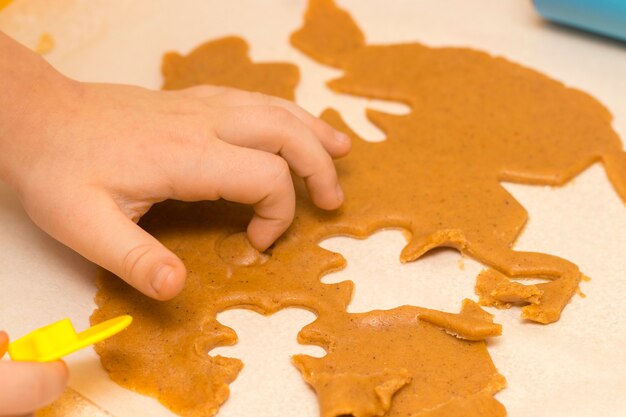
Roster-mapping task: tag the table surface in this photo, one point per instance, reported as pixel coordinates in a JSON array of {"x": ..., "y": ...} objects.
[{"x": 576, "y": 367}]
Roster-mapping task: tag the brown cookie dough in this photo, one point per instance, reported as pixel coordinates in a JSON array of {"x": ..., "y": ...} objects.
[
  {"x": 373, "y": 355},
  {"x": 475, "y": 120},
  {"x": 229, "y": 65},
  {"x": 164, "y": 353}
]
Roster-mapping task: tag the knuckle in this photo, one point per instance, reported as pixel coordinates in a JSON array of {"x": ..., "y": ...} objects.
[
  {"x": 277, "y": 184},
  {"x": 224, "y": 90},
  {"x": 199, "y": 125},
  {"x": 217, "y": 95},
  {"x": 280, "y": 115},
  {"x": 260, "y": 97},
  {"x": 199, "y": 90},
  {"x": 198, "y": 109},
  {"x": 326, "y": 129},
  {"x": 133, "y": 260},
  {"x": 280, "y": 171},
  {"x": 282, "y": 221}
]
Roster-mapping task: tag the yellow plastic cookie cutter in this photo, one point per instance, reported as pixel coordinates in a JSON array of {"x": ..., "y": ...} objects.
[{"x": 58, "y": 339}]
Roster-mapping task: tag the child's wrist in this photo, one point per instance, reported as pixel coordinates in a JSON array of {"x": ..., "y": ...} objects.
[{"x": 29, "y": 87}]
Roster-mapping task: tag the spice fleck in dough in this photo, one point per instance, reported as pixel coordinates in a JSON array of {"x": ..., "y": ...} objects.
[{"x": 475, "y": 120}]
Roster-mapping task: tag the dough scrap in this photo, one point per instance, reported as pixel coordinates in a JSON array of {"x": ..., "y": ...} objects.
[
  {"x": 495, "y": 289},
  {"x": 470, "y": 127}
]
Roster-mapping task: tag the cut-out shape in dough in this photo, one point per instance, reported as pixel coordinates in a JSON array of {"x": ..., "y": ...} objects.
[
  {"x": 475, "y": 120},
  {"x": 164, "y": 353},
  {"x": 411, "y": 283}
]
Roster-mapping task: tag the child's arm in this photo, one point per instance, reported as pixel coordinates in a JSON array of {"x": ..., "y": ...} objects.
[{"x": 88, "y": 160}]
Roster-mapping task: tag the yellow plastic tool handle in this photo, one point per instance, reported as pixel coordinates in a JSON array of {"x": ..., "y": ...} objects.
[{"x": 56, "y": 340}]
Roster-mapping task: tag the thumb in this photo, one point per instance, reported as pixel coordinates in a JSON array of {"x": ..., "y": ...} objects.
[
  {"x": 100, "y": 232},
  {"x": 27, "y": 386}
]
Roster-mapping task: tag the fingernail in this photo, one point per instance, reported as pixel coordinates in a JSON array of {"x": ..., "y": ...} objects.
[
  {"x": 339, "y": 193},
  {"x": 162, "y": 274},
  {"x": 341, "y": 137}
]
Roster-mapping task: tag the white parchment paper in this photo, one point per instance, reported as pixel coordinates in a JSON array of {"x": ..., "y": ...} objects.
[{"x": 576, "y": 367}]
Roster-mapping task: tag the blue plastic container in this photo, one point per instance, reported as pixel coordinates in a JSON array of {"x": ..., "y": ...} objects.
[{"x": 605, "y": 17}]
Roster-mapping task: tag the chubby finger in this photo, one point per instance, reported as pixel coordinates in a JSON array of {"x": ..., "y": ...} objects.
[
  {"x": 96, "y": 228},
  {"x": 336, "y": 143},
  {"x": 27, "y": 386},
  {"x": 242, "y": 175},
  {"x": 276, "y": 130}
]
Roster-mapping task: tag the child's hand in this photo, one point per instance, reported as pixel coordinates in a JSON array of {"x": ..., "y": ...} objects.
[
  {"x": 88, "y": 160},
  {"x": 27, "y": 386}
]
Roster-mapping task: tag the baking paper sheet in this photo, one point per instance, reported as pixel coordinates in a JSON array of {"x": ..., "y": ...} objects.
[{"x": 576, "y": 367}]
